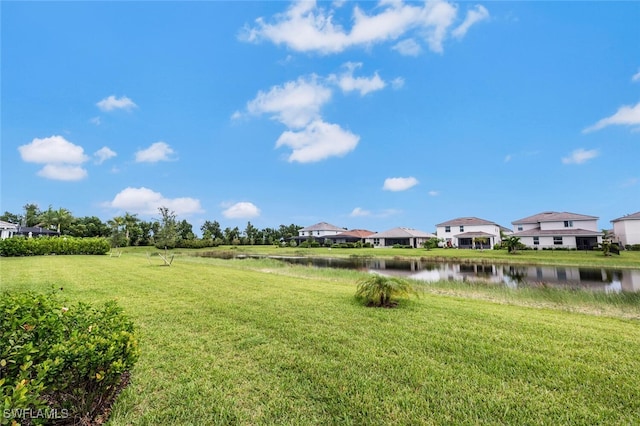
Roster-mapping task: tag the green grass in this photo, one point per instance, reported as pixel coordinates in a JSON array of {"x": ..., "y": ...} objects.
[
  {"x": 626, "y": 259},
  {"x": 259, "y": 342}
]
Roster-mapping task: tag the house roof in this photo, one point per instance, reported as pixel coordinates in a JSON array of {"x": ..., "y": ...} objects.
[
  {"x": 24, "y": 230},
  {"x": 632, "y": 216},
  {"x": 401, "y": 232},
  {"x": 322, "y": 226},
  {"x": 553, "y": 217},
  {"x": 7, "y": 225},
  {"x": 557, "y": 232},
  {"x": 356, "y": 233},
  {"x": 474, "y": 234},
  {"x": 466, "y": 221}
]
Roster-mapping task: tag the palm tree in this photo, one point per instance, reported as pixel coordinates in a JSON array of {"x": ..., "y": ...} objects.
[
  {"x": 378, "y": 290},
  {"x": 511, "y": 243}
]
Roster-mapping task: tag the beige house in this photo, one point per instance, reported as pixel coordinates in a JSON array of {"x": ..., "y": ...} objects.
[
  {"x": 558, "y": 230},
  {"x": 469, "y": 232},
  {"x": 399, "y": 236},
  {"x": 627, "y": 229}
]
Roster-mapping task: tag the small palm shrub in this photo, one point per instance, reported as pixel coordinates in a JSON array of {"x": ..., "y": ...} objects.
[{"x": 380, "y": 291}]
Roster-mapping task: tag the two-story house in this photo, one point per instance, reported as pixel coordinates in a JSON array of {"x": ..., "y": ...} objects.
[
  {"x": 318, "y": 232},
  {"x": 469, "y": 232},
  {"x": 627, "y": 229},
  {"x": 558, "y": 230}
]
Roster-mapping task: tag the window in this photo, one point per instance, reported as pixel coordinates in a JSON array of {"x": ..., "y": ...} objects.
[
  {"x": 557, "y": 241},
  {"x": 376, "y": 241},
  {"x": 302, "y": 233},
  {"x": 519, "y": 227},
  {"x": 317, "y": 232},
  {"x": 461, "y": 228},
  {"x": 568, "y": 224},
  {"x": 447, "y": 229},
  {"x": 536, "y": 241}
]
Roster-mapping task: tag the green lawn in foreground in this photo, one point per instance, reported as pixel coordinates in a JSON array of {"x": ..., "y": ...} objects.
[
  {"x": 257, "y": 342},
  {"x": 626, "y": 259}
]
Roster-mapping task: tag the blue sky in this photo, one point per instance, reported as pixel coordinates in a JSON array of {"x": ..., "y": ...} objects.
[{"x": 366, "y": 115}]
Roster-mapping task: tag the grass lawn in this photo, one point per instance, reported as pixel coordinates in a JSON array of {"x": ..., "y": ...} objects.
[
  {"x": 626, "y": 259},
  {"x": 259, "y": 342}
]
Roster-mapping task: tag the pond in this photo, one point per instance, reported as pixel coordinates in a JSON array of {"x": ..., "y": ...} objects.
[{"x": 514, "y": 276}]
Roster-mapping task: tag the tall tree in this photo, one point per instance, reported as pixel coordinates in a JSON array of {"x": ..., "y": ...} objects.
[
  {"x": 185, "y": 230},
  {"x": 11, "y": 218},
  {"x": 211, "y": 230},
  {"x": 31, "y": 214},
  {"x": 250, "y": 233},
  {"x": 167, "y": 233}
]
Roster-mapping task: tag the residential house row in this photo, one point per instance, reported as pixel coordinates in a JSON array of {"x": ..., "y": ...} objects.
[{"x": 544, "y": 230}]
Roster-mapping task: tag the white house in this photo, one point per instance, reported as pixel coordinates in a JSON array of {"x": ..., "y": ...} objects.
[
  {"x": 627, "y": 229},
  {"x": 318, "y": 231},
  {"x": 399, "y": 236},
  {"x": 558, "y": 230},
  {"x": 469, "y": 232},
  {"x": 7, "y": 229}
]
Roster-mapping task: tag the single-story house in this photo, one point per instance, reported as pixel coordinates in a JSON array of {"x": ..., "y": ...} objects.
[
  {"x": 7, "y": 229},
  {"x": 399, "y": 236},
  {"x": 558, "y": 230},
  {"x": 627, "y": 229},
  {"x": 352, "y": 236},
  {"x": 469, "y": 232},
  {"x": 36, "y": 231}
]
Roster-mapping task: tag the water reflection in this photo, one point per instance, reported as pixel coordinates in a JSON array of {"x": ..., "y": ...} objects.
[{"x": 513, "y": 276}]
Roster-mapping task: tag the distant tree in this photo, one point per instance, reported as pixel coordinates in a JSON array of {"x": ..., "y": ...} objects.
[
  {"x": 31, "y": 214},
  {"x": 185, "y": 230},
  {"x": 512, "y": 243},
  {"x": 211, "y": 230},
  {"x": 479, "y": 241},
  {"x": 167, "y": 231},
  {"x": 431, "y": 243},
  {"x": 250, "y": 233},
  {"x": 118, "y": 237},
  {"x": 11, "y": 218}
]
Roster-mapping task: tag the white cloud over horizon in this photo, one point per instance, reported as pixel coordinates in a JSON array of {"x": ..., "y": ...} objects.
[
  {"x": 636, "y": 76},
  {"x": 62, "y": 159},
  {"x": 359, "y": 212},
  {"x": 145, "y": 201},
  {"x": 158, "y": 151},
  {"x": 580, "y": 156},
  {"x": 307, "y": 27},
  {"x": 399, "y": 183},
  {"x": 241, "y": 210},
  {"x": 480, "y": 13},
  {"x": 111, "y": 103},
  {"x": 434, "y": 193},
  {"x": 103, "y": 154},
  {"x": 627, "y": 115}
]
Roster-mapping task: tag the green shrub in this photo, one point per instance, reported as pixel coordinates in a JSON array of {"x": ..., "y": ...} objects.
[
  {"x": 68, "y": 361},
  {"x": 22, "y": 246},
  {"x": 379, "y": 290}
]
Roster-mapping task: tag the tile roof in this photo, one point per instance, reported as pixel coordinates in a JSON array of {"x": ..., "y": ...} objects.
[
  {"x": 466, "y": 221},
  {"x": 358, "y": 233},
  {"x": 322, "y": 226},
  {"x": 7, "y": 225},
  {"x": 553, "y": 217},
  {"x": 632, "y": 216},
  {"x": 401, "y": 232}
]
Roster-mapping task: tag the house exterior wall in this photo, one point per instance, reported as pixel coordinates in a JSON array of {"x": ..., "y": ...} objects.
[
  {"x": 492, "y": 229},
  {"x": 548, "y": 241},
  {"x": 589, "y": 225},
  {"x": 319, "y": 233},
  {"x": 525, "y": 227},
  {"x": 627, "y": 231}
]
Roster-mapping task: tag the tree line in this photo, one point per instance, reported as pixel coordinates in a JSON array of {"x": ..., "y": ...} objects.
[{"x": 165, "y": 231}]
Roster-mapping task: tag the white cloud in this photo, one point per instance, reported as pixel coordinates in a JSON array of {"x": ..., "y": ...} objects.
[
  {"x": 96, "y": 120},
  {"x": 480, "y": 13},
  {"x": 348, "y": 83},
  {"x": 294, "y": 104},
  {"x": 397, "y": 83},
  {"x": 399, "y": 183},
  {"x": 52, "y": 150},
  {"x": 318, "y": 141},
  {"x": 630, "y": 182},
  {"x": 408, "y": 47},
  {"x": 241, "y": 210},
  {"x": 580, "y": 156},
  {"x": 61, "y": 158},
  {"x": 146, "y": 202},
  {"x": 110, "y": 103},
  {"x": 508, "y": 158},
  {"x": 636, "y": 77},
  {"x": 434, "y": 193},
  {"x": 358, "y": 212},
  {"x": 626, "y": 115},
  {"x": 103, "y": 154},
  {"x": 158, "y": 151},
  {"x": 62, "y": 172},
  {"x": 305, "y": 27}
]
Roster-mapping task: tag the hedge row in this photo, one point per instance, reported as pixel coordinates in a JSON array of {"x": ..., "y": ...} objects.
[
  {"x": 22, "y": 246},
  {"x": 61, "y": 363}
]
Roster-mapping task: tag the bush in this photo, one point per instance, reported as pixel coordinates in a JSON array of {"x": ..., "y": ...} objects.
[
  {"x": 378, "y": 290},
  {"x": 632, "y": 247},
  {"x": 22, "y": 246},
  {"x": 67, "y": 361}
]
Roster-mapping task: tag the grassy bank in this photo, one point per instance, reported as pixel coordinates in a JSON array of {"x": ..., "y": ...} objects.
[
  {"x": 626, "y": 259},
  {"x": 258, "y": 342}
]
